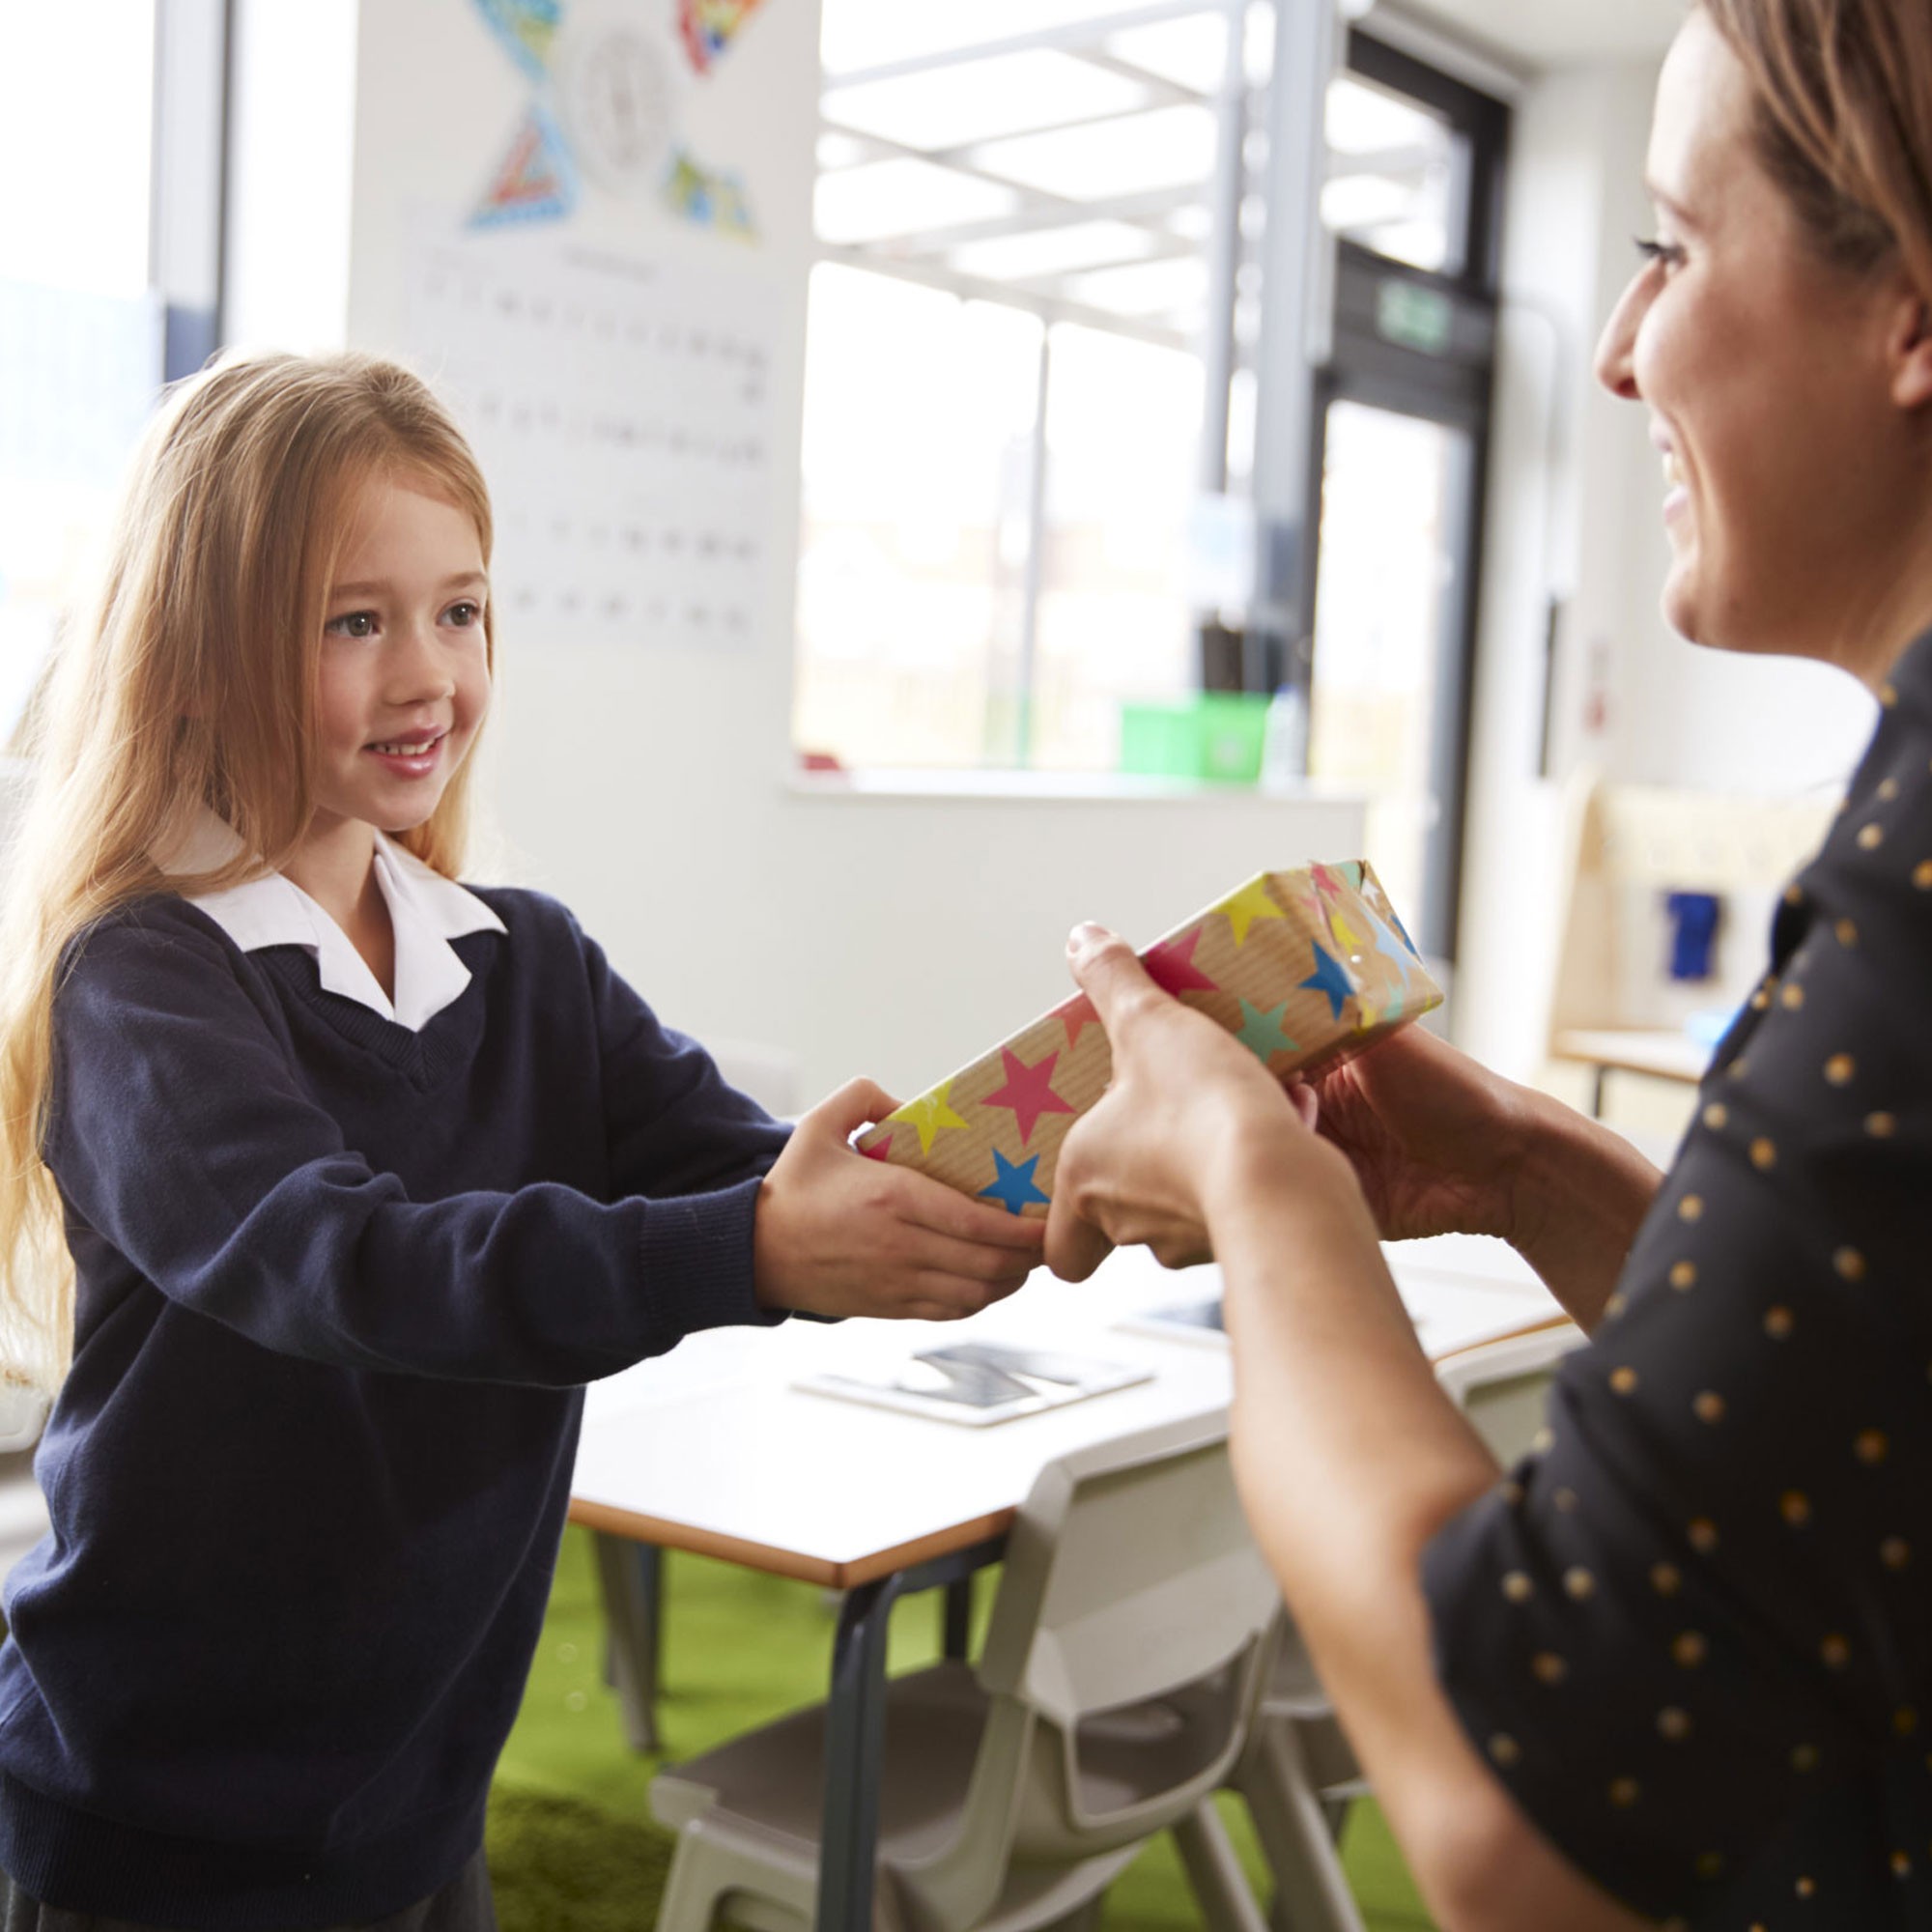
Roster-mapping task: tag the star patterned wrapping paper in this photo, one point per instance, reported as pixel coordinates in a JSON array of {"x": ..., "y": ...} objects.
[{"x": 1304, "y": 968}]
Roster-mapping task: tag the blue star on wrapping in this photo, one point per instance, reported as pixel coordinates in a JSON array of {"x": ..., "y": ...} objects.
[
  {"x": 1015, "y": 1189},
  {"x": 1330, "y": 977},
  {"x": 1260, "y": 1032},
  {"x": 1392, "y": 948}
]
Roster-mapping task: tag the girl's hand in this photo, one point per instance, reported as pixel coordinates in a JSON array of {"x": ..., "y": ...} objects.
[
  {"x": 1436, "y": 1139},
  {"x": 837, "y": 1234},
  {"x": 1189, "y": 1108}
]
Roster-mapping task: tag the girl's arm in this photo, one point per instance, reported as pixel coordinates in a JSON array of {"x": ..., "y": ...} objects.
[
  {"x": 183, "y": 1136},
  {"x": 834, "y": 1234}
]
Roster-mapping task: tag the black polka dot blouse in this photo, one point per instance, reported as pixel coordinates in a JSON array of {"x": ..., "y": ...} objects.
[{"x": 1691, "y": 1631}]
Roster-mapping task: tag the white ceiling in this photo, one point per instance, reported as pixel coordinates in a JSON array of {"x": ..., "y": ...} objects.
[{"x": 1555, "y": 33}]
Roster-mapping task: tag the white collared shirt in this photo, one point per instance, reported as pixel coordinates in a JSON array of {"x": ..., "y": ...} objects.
[{"x": 426, "y": 910}]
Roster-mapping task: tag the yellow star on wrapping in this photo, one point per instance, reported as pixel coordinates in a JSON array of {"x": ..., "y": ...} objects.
[
  {"x": 929, "y": 1114},
  {"x": 1339, "y": 927},
  {"x": 1250, "y": 903}
]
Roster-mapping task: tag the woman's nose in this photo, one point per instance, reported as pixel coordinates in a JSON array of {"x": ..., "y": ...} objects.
[{"x": 1616, "y": 368}]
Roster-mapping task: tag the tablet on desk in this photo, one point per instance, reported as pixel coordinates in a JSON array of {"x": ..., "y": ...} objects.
[
  {"x": 1181, "y": 1321},
  {"x": 976, "y": 1383}
]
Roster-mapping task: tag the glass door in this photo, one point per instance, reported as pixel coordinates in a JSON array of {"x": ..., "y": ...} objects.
[{"x": 1387, "y": 672}]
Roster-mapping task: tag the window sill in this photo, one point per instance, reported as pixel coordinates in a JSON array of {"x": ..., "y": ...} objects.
[{"x": 1056, "y": 788}]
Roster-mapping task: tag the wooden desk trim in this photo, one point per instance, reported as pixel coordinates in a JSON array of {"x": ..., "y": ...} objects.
[
  {"x": 1542, "y": 1327},
  {"x": 831, "y": 1575}
]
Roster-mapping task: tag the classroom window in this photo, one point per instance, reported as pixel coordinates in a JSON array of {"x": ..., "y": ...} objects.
[
  {"x": 1019, "y": 211},
  {"x": 80, "y": 329}
]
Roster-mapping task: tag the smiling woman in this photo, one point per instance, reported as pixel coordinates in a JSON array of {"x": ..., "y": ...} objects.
[
  {"x": 1674, "y": 1666},
  {"x": 1770, "y": 333}
]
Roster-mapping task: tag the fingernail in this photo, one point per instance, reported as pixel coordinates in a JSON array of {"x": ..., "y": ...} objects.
[{"x": 1084, "y": 935}]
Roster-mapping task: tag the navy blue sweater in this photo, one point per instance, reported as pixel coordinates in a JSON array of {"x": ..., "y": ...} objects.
[{"x": 338, "y": 1286}]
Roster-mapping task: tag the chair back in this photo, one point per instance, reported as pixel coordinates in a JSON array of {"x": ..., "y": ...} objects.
[
  {"x": 1125, "y": 1660},
  {"x": 1130, "y": 1572}
]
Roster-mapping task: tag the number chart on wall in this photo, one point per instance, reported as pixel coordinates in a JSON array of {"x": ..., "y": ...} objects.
[{"x": 621, "y": 409}]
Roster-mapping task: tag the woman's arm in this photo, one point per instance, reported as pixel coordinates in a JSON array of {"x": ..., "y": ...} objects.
[
  {"x": 1441, "y": 1144},
  {"x": 1347, "y": 1453},
  {"x": 1348, "y": 1459}
]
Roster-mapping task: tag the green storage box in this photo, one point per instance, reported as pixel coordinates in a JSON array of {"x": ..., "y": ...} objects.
[{"x": 1217, "y": 736}]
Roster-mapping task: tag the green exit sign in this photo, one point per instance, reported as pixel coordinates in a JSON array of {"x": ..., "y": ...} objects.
[{"x": 1414, "y": 317}]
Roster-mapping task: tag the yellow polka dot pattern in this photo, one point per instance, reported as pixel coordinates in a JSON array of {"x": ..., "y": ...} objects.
[{"x": 1634, "y": 1658}]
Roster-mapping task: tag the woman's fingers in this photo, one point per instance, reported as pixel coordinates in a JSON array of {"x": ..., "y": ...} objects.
[
  {"x": 1109, "y": 974},
  {"x": 1074, "y": 1247}
]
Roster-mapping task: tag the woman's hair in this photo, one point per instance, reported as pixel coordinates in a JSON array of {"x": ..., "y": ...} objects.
[
  {"x": 1843, "y": 119},
  {"x": 191, "y": 683}
]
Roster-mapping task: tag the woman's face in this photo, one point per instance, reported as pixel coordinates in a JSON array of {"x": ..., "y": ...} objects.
[{"x": 1792, "y": 491}]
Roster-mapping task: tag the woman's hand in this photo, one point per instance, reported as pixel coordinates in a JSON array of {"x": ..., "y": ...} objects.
[
  {"x": 1188, "y": 1107},
  {"x": 837, "y": 1234},
  {"x": 1436, "y": 1139}
]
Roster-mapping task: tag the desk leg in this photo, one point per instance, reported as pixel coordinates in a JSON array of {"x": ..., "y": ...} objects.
[
  {"x": 1597, "y": 1086},
  {"x": 855, "y": 1750},
  {"x": 855, "y": 1732},
  {"x": 956, "y": 1620},
  {"x": 631, "y": 1577}
]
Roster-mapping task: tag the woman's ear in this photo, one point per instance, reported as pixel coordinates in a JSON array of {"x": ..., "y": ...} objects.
[{"x": 1911, "y": 351}]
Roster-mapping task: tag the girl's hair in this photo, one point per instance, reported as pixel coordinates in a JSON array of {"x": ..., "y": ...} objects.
[
  {"x": 1842, "y": 93},
  {"x": 192, "y": 682}
]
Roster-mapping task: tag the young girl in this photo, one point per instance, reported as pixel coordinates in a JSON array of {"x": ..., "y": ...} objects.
[{"x": 343, "y": 1178}]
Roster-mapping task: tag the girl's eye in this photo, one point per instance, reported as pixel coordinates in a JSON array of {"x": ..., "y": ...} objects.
[
  {"x": 1667, "y": 252},
  {"x": 465, "y": 615},
  {"x": 352, "y": 624}
]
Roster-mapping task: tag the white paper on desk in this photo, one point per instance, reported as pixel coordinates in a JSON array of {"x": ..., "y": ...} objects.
[
  {"x": 1450, "y": 1313},
  {"x": 978, "y": 1384}
]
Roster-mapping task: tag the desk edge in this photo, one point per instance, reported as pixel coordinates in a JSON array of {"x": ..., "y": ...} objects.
[{"x": 823, "y": 1571}]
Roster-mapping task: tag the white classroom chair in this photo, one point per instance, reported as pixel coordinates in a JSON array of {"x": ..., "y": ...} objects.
[
  {"x": 1299, "y": 1775},
  {"x": 1128, "y": 1641}
]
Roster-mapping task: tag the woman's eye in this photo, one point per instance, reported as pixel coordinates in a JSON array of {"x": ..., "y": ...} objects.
[
  {"x": 1667, "y": 252},
  {"x": 352, "y": 624}
]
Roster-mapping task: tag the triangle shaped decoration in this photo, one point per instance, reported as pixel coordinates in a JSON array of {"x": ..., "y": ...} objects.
[{"x": 534, "y": 181}]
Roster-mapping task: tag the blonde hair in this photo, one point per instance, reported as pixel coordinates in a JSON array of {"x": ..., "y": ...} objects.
[
  {"x": 190, "y": 683},
  {"x": 1842, "y": 101}
]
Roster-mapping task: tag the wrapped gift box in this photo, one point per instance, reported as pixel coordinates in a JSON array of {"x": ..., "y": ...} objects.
[{"x": 1304, "y": 968}]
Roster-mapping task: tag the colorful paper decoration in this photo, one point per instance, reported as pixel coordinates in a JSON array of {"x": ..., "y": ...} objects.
[
  {"x": 535, "y": 181},
  {"x": 706, "y": 28},
  {"x": 584, "y": 104},
  {"x": 525, "y": 28},
  {"x": 1305, "y": 967}
]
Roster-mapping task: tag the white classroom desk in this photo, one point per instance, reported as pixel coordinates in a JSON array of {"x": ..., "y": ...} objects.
[{"x": 712, "y": 1449}]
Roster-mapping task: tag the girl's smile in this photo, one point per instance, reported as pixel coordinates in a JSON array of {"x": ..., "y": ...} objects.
[{"x": 404, "y": 678}]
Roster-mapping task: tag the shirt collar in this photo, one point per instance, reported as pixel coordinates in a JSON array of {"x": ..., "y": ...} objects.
[{"x": 426, "y": 911}]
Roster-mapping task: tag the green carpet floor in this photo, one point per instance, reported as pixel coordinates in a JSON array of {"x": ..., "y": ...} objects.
[{"x": 572, "y": 1848}]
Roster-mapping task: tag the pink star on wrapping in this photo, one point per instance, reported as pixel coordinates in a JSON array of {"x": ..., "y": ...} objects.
[
  {"x": 1170, "y": 965},
  {"x": 1028, "y": 1091},
  {"x": 1076, "y": 1014},
  {"x": 882, "y": 1150},
  {"x": 1328, "y": 881}
]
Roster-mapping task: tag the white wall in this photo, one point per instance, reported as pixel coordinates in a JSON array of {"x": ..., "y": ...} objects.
[
  {"x": 650, "y": 788},
  {"x": 1576, "y": 503}
]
